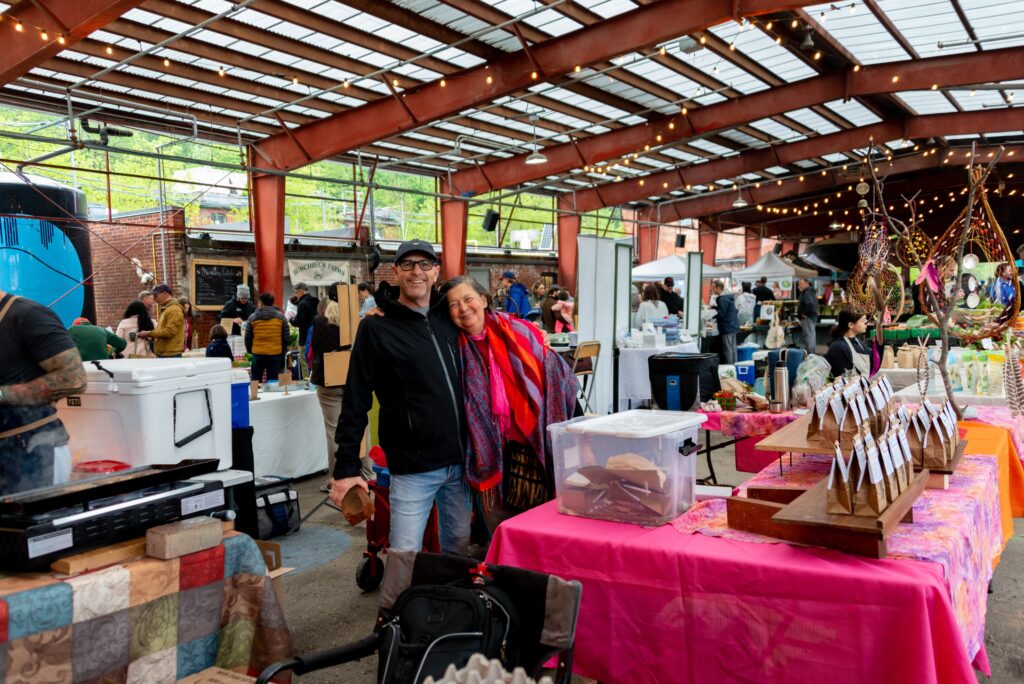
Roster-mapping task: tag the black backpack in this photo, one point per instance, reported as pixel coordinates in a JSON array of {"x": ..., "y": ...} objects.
[{"x": 434, "y": 626}]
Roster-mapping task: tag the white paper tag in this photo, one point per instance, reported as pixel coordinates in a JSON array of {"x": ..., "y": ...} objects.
[
  {"x": 838, "y": 463},
  {"x": 904, "y": 416},
  {"x": 858, "y": 417},
  {"x": 887, "y": 387},
  {"x": 905, "y": 445},
  {"x": 869, "y": 441},
  {"x": 878, "y": 396},
  {"x": 926, "y": 421},
  {"x": 986, "y": 343},
  {"x": 838, "y": 408},
  {"x": 874, "y": 467},
  {"x": 887, "y": 464},
  {"x": 949, "y": 429},
  {"x": 894, "y": 449},
  {"x": 820, "y": 405},
  {"x": 863, "y": 407}
]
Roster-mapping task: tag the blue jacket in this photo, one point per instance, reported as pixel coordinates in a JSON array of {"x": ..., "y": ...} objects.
[
  {"x": 728, "y": 320},
  {"x": 518, "y": 301},
  {"x": 219, "y": 348}
]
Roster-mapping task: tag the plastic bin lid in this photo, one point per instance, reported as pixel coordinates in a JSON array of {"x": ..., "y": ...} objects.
[
  {"x": 149, "y": 370},
  {"x": 639, "y": 423}
]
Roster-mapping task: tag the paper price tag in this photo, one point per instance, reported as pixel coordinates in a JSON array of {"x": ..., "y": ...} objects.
[
  {"x": 863, "y": 407},
  {"x": 894, "y": 449},
  {"x": 949, "y": 429},
  {"x": 857, "y": 415},
  {"x": 874, "y": 467},
  {"x": 820, "y": 405},
  {"x": 887, "y": 387},
  {"x": 905, "y": 446},
  {"x": 878, "y": 396},
  {"x": 925, "y": 420},
  {"x": 887, "y": 464}
]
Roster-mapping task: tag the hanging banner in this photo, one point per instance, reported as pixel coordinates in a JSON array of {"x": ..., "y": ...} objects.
[{"x": 318, "y": 271}]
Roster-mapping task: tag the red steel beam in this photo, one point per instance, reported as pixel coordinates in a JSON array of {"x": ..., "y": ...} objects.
[
  {"x": 268, "y": 229},
  {"x": 772, "y": 192},
  {"x": 937, "y": 125},
  {"x": 568, "y": 230},
  {"x": 635, "y": 30},
  {"x": 891, "y": 77},
  {"x": 72, "y": 19},
  {"x": 454, "y": 219}
]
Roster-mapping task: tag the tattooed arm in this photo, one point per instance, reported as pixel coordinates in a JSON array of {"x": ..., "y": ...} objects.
[{"x": 64, "y": 376}]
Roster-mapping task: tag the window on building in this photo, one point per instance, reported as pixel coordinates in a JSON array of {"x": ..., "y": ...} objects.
[{"x": 218, "y": 217}]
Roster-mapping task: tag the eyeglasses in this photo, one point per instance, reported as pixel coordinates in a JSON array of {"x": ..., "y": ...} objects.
[{"x": 424, "y": 264}]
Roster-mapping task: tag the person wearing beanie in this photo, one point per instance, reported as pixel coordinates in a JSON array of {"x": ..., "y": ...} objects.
[
  {"x": 238, "y": 309},
  {"x": 305, "y": 312}
]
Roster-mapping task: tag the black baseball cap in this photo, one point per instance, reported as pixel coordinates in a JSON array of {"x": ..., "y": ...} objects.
[{"x": 411, "y": 246}]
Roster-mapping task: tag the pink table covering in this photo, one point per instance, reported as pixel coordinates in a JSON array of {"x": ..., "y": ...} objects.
[
  {"x": 663, "y": 606},
  {"x": 1000, "y": 416},
  {"x": 740, "y": 425}
]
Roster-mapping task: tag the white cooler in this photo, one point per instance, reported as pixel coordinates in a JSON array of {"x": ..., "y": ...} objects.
[{"x": 151, "y": 411}]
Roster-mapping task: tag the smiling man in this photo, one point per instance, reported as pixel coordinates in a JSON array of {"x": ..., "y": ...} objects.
[{"x": 408, "y": 357}]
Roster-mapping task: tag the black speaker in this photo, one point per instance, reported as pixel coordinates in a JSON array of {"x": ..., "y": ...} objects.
[
  {"x": 680, "y": 241},
  {"x": 490, "y": 220}
]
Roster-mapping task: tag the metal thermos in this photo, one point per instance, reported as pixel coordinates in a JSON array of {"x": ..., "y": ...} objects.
[{"x": 782, "y": 387}]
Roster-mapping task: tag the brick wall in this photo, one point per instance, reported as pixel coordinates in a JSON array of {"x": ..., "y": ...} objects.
[{"x": 116, "y": 283}]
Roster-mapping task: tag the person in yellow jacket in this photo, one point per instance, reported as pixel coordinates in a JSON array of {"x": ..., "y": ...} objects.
[
  {"x": 169, "y": 335},
  {"x": 266, "y": 337}
]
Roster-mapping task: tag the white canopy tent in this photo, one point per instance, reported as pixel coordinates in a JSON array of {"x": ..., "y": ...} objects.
[
  {"x": 772, "y": 266},
  {"x": 673, "y": 266}
]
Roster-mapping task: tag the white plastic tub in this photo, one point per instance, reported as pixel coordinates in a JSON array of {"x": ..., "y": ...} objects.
[
  {"x": 627, "y": 467},
  {"x": 142, "y": 411}
]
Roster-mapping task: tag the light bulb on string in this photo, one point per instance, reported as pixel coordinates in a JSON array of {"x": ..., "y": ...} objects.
[
  {"x": 19, "y": 27},
  {"x": 44, "y": 36},
  {"x": 61, "y": 40}
]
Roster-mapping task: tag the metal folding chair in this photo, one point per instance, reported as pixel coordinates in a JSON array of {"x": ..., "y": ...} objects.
[{"x": 584, "y": 372}]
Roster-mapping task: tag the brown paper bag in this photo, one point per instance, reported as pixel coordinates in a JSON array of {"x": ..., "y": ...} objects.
[
  {"x": 870, "y": 498},
  {"x": 839, "y": 495}
]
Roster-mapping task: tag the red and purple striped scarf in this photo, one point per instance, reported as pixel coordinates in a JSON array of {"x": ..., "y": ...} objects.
[{"x": 539, "y": 387}]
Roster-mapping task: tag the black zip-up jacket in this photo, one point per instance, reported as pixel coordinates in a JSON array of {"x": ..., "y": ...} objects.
[
  {"x": 412, "y": 364},
  {"x": 305, "y": 312}
]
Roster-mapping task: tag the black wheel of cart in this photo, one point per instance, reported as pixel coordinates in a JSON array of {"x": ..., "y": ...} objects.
[{"x": 369, "y": 573}]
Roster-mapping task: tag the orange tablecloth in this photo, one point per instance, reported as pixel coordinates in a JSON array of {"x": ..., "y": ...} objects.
[{"x": 985, "y": 439}]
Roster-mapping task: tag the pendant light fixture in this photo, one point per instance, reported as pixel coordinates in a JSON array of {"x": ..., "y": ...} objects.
[{"x": 535, "y": 157}]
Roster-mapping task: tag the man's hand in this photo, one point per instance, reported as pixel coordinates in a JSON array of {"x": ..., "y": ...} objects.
[
  {"x": 238, "y": 321},
  {"x": 64, "y": 377},
  {"x": 375, "y": 311},
  {"x": 339, "y": 488},
  {"x": 143, "y": 334}
]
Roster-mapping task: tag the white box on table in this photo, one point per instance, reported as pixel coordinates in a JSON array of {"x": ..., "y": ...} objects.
[
  {"x": 151, "y": 411},
  {"x": 627, "y": 467}
]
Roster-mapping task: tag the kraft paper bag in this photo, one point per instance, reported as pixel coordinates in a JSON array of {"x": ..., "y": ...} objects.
[
  {"x": 819, "y": 407},
  {"x": 870, "y": 497},
  {"x": 839, "y": 497},
  {"x": 892, "y": 488},
  {"x": 888, "y": 357},
  {"x": 834, "y": 416}
]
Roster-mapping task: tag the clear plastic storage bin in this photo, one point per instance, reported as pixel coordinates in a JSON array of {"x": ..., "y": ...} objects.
[{"x": 636, "y": 467}]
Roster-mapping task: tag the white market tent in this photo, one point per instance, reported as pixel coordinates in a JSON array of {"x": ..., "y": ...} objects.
[
  {"x": 673, "y": 266},
  {"x": 770, "y": 266}
]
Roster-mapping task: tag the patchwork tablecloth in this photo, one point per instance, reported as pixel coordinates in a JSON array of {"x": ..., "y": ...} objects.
[
  {"x": 745, "y": 424},
  {"x": 147, "y": 620}
]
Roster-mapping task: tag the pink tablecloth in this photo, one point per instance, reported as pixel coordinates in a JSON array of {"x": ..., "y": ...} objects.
[
  {"x": 740, "y": 425},
  {"x": 660, "y": 606},
  {"x": 1000, "y": 416}
]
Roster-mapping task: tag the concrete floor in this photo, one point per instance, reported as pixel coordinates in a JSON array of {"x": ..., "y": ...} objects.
[{"x": 326, "y": 608}]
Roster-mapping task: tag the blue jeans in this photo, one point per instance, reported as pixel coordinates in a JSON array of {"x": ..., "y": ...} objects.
[{"x": 413, "y": 495}]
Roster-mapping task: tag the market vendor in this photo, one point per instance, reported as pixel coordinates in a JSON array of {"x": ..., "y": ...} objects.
[
  {"x": 238, "y": 309},
  {"x": 41, "y": 365},
  {"x": 847, "y": 351}
]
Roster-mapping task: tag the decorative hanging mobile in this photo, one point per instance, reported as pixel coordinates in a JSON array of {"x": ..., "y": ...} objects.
[
  {"x": 913, "y": 247},
  {"x": 978, "y": 312},
  {"x": 873, "y": 285}
]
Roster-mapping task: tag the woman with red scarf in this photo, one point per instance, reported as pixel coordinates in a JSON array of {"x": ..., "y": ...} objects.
[{"x": 514, "y": 387}]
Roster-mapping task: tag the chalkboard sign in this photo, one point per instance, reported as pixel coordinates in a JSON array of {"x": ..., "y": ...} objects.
[{"x": 215, "y": 282}]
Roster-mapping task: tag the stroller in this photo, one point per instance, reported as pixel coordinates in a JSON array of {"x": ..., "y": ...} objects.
[
  {"x": 370, "y": 571},
  {"x": 542, "y": 623}
]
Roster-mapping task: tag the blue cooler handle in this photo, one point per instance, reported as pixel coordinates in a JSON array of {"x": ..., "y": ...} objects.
[{"x": 673, "y": 387}]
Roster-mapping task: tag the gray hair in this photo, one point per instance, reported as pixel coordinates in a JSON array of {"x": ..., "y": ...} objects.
[{"x": 464, "y": 280}]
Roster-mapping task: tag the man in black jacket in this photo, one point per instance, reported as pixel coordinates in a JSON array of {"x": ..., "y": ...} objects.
[
  {"x": 807, "y": 312},
  {"x": 728, "y": 320},
  {"x": 763, "y": 294},
  {"x": 238, "y": 309},
  {"x": 305, "y": 312},
  {"x": 409, "y": 358},
  {"x": 667, "y": 294}
]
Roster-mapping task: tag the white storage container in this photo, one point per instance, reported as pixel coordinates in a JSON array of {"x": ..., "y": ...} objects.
[
  {"x": 142, "y": 411},
  {"x": 636, "y": 467}
]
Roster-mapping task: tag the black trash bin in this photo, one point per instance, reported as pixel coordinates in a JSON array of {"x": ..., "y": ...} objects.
[{"x": 680, "y": 381}]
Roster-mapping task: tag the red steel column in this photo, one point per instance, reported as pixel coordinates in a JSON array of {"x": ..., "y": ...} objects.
[
  {"x": 568, "y": 230},
  {"x": 454, "y": 219},
  {"x": 709, "y": 245},
  {"x": 268, "y": 229},
  {"x": 752, "y": 245},
  {"x": 647, "y": 242}
]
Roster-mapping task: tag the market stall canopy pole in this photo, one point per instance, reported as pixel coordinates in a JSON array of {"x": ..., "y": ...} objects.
[
  {"x": 874, "y": 79},
  {"x": 639, "y": 29},
  {"x": 63, "y": 20}
]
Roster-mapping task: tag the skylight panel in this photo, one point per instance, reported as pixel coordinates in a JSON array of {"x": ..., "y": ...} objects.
[
  {"x": 927, "y": 23},
  {"x": 708, "y": 146},
  {"x": 775, "y": 129},
  {"x": 854, "y": 112},
  {"x": 926, "y": 102},
  {"x": 972, "y": 100},
  {"x": 812, "y": 120},
  {"x": 608, "y": 8},
  {"x": 861, "y": 33}
]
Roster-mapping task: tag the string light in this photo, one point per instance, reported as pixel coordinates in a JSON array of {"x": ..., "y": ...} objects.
[
  {"x": 346, "y": 84},
  {"x": 295, "y": 80},
  {"x": 896, "y": 79},
  {"x": 817, "y": 55},
  {"x": 44, "y": 36},
  {"x": 110, "y": 50},
  {"x": 490, "y": 80},
  {"x": 221, "y": 72},
  {"x": 577, "y": 68},
  {"x": 683, "y": 111},
  {"x": 19, "y": 27},
  {"x": 856, "y": 68},
  {"x": 443, "y": 83},
  {"x": 60, "y": 39},
  {"x": 768, "y": 26},
  {"x": 533, "y": 74},
  {"x": 167, "y": 62}
]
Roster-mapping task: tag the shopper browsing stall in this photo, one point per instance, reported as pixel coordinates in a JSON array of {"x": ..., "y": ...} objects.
[
  {"x": 807, "y": 312},
  {"x": 846, "y": 351},
  {"x": 95, "y": 343},
  {"x": 169, "y": 335},
  {"x": 40, "y": 365},
  {"x": 266, "y": 338},
  {"x": 135, "y": 319},
  {"x": 514, "y": 387},
  {"x": 727, "y": 319},
  {"x": 650, "y": 307},
  {"x": 407, "y": 357}
]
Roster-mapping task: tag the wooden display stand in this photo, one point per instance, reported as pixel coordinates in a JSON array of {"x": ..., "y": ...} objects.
[
  {"x": 798, "y": 516},
  {"x": 793, "y": 439}
]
